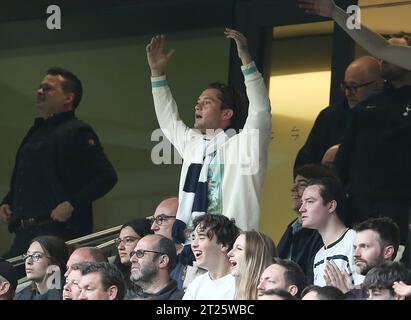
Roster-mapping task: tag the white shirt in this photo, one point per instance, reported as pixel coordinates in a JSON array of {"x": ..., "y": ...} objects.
[
  {"x": 204, "y": 288},
  {"x": 341, "y": 252}
]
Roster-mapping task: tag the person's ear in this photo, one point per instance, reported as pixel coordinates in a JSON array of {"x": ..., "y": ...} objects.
[
  {"x": 389, "y": 252},
  {"x": 69, "y": 99},
  {"x": 224, "y": 248},
  {"x": 164, "y": 261},
  {"x": 4, "y": 287},
  {"x": 112, "y": 292},
  {"x": 332, "y": 206},
  {"x": 293, "y": 290},
  {"x": 227, "y": 114}
]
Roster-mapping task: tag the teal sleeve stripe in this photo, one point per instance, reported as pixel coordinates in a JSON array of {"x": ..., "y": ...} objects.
[
  {"x": 250, "y": 70},
  {"x": 159, "y": 83}
]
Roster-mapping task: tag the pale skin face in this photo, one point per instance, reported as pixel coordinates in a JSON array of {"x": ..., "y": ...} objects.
[
  {"x": 208, "y": 112},
  {"x": 37, "y": 270},
  {"x": 146, "y": 267},
  {"x": 206, "y": 251},
  {"x": 129, "y": 239},
  {"x": 300, "y": 183},
  {"x": 272, "y": 278},
  {"x": 236, "y": 256},
  {"x": 367, "y": 251},
  {"x": 75, "y": 257},
  {"x": 51, "y": 98},
  {"x": 71, "y": 289},
  {"x": 314, "y": 214},
  {"x": 92, "y": 289},
  {"x": 356, "y": 76},
  {"x": 164, "y": 211}
]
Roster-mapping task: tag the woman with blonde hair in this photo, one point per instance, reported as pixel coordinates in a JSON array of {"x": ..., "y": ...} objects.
[{"x": 252, "y": 252}]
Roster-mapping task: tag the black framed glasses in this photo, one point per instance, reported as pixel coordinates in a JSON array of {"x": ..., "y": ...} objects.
[
  {"x": 354, "y": 87},
  {"x": 161, "y": 218},
  {"x": 141, "y": 252},
  {"x": 36, "y": 256},
  {"x": 127, "y": 241}
]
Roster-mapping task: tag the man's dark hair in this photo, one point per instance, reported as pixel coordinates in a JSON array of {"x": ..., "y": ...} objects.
[
  {"x": 387, "y": 230},
  {"x": 331, "y": 189},
  {"x": 231, "y": 99},
  {"x": 384, "y": 275},
  {"x": 167, "y": 247},
  {"x": 109, "y": 273},
  {"x": 314, "y": 171},
  {"x": 279, "y": 292},
  {"x": 70, "y": 84},
  {"x": 293, "y": 274},
  {"x": 220, "y": 226},
  {"x": 324, "y": 293}
]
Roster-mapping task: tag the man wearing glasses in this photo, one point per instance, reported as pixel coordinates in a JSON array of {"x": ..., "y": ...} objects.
[
  {"x": 152, "y": 260},
  {"x": 374, "y": 159},
  {"x": 361, "y": 76}
]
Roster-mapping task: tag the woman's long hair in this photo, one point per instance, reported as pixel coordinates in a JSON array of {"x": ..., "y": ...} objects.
[{"x": 259, "y": 252}]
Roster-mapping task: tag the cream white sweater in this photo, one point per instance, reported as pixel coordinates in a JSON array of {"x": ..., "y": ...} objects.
[{"x": 244, "y": 155}]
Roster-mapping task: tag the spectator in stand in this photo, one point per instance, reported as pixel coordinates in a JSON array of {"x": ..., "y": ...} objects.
[
  {"x": 380, "y": 281},
  {"x": 322, "y": 293},
  {"x": 85, "y": 254},
  {"x": 101, "y": 281},
  {"x": 252, "y": 252},
  {"x": 152, "y": 260},
  {"x": 297, "y": 243},
  {"x": 214, "y": 236},
  {"x": 377, "y": 240},
  {"x": 130, "y": 233},
  {"x": 71, "y": 289},
  {"x": 45, "y": 263},
  {"x": 361, "y": 77},
  {"x": 8, "y": 280},
  {"x": 324, "y": 209},
  {"x": 282, "y": 274}
]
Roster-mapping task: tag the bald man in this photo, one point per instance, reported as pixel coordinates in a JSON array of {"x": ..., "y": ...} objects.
[
  {"x": 374, "y": 157},
  {"x": 164, "y": 217},
  {"x": 162, "y": 224},
  {"x": 85, "y": 254},
  {"x": 361, "y": 76}
]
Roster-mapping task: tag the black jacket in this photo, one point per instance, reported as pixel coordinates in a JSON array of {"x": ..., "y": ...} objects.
[
  {"x": 374, "y": 158},
  {"x": 74, "y": 168},
  {"x": 327, "y": 131},
  {"x": 305, "y": 244}
]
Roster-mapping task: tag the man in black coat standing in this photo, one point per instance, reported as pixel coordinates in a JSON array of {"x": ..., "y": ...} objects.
[{"x": 60, "y": 169}]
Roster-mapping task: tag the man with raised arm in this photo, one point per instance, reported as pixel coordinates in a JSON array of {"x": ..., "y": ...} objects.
[
  {"x": 224, "y": 167},
  {"x": 370, "y": 40}
]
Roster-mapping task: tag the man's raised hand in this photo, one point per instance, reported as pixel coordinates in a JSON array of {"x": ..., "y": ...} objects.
[
  {"x": 156, "y": 56},
  {"x": 242, "y": 45}
]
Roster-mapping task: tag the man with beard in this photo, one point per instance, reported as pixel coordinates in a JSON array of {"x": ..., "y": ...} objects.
[
  {"x": 374, "y": 157},
  {"x": 377, "y": 240},
  {"x": 152, "y": 260}
]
